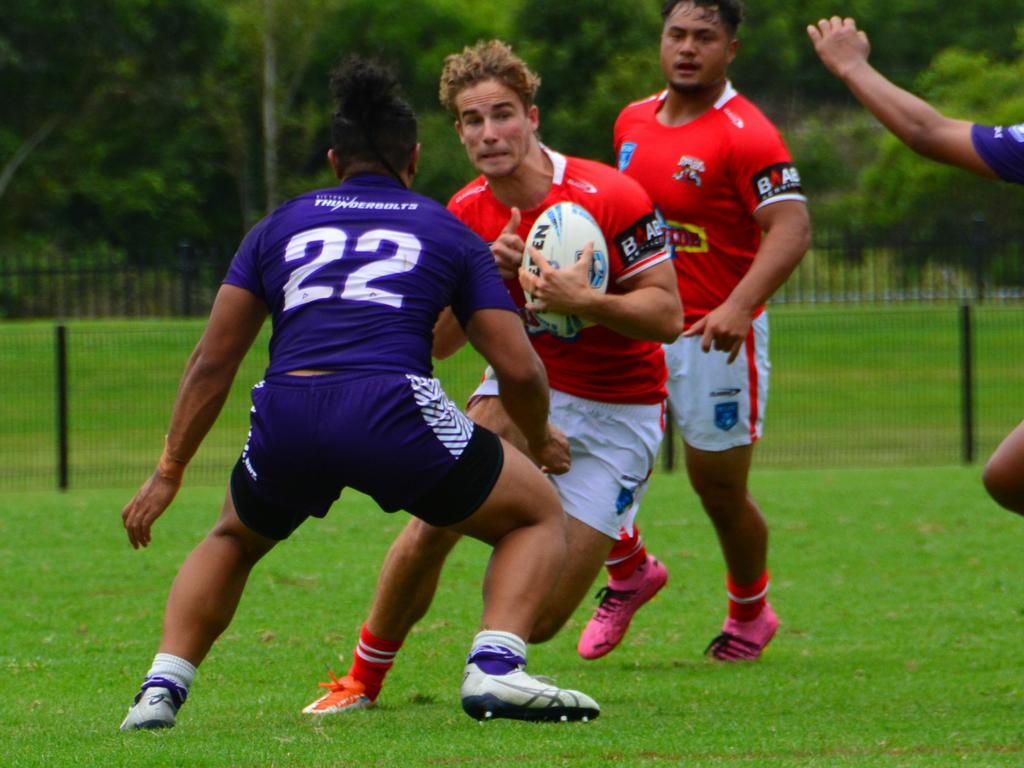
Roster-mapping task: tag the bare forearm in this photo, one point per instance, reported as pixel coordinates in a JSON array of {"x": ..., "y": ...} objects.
[
  {"x": 769, "y": 271},
  {"x": 525, "y": 399},
  {"x": 201, "y": 396},
  {"x": 910, "y": 118},
  {"x": 448, "y": 335},
  {"x": 781, "y": 250},
  {"x": 651, "y": 313}
]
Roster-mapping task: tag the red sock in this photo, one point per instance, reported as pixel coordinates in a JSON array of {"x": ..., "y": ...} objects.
[
  {"x": 627, "y": 555},
  {"x": 371, "y": 661},
  {"x": 746, "y": 602}
]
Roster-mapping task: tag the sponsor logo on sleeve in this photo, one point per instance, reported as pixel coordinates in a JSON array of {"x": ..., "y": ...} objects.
[
  {"x": 775, "y": 180},
  {"x": 642, "y": 239},
  {"x": 626, "y": 154}
]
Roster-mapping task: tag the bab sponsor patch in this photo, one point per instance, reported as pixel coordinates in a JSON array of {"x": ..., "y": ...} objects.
[{"x": 776, "y": 180}]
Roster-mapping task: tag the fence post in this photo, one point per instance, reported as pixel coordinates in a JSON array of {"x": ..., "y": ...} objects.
[
  {"x": 62, "y": 407},
  {"x": 967, "y": 381},
  {"x": 668, "y": 443},
  {"x": 980, "y": 246},
  {"x": 186, "y": 264}
]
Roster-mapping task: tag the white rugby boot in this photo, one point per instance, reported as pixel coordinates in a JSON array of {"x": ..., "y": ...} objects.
[
  {"x": 155, "y": 706},
  {"x": 519, "y": 696}
]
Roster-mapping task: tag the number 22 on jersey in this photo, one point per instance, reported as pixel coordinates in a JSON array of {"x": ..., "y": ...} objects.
[{"x": 356, "y": 287}]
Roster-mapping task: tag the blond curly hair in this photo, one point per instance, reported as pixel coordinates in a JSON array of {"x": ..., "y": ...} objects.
[{"x": 487, "y": 60}]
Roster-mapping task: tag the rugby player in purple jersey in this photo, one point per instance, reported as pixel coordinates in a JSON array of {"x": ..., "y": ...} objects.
[
  {"x": 353, "y": 278},
  {"x": 993, "y": 151}
]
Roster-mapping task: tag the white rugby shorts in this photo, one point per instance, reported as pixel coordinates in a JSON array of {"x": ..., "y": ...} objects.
[
  {"x": 717, "y": 405},
  {"x": 613, "y": 447}
]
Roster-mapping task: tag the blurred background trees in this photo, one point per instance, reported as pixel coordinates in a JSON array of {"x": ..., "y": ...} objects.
[{"x": 137, "y": 123}]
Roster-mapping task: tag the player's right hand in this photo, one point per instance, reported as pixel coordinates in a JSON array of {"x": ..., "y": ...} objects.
[
  {"x": 508, "y": 248},
  {"x": 155, "y": 495},
  {"x": 839, "y": 44},
  {"x": 553, "y": 454}
]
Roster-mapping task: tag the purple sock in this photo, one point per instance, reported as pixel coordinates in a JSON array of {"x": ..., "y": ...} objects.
[{"x": 496, "y": 659}]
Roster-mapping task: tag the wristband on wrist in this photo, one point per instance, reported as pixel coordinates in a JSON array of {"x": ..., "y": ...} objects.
[{"x": 169, "y": 467}]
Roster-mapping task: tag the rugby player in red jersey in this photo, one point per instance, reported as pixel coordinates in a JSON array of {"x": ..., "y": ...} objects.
[
  {"x": 736, "y": 222},
  {"x": 607, "y": 384}
]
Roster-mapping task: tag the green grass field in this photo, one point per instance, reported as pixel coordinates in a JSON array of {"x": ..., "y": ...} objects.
[
  {"x": 854, "y": 386},
  {"x": 899, "y": 592}
]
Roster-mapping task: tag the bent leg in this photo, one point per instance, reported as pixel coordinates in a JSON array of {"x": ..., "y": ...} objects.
[
  {"x": 209, "y": 586},
  {"x": 587, "y": 549},
  {"x": 720, "y": 479},
  {"x": 488, "y": 411},
  {"x": 408, "y": 578},
  {"x": 411, "y": 570},
  {"x": 522, "y": 519},
  {"x": 1004, "y": 472}
]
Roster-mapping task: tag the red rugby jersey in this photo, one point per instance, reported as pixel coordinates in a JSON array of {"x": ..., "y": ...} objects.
[
  {"x": 706, "y": 179},
  {"x": 599, "y": 364}
]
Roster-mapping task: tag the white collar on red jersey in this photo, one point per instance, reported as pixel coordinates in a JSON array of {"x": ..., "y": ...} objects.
[
  {"x": 728, "y": 93},
  {"x": 558, "y": 164}
]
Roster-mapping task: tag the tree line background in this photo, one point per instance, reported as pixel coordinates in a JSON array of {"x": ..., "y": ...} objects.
[{"x": 136, "y": 124}]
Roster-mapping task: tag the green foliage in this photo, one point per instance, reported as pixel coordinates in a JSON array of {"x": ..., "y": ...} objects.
[
  {"x": 592, "y": 58},
  {"x": 413, "y": 38},
  {"x": 128, "y": 159},
  {"x": 887, "y": 187},
  {"x": 137, "y": 124}
]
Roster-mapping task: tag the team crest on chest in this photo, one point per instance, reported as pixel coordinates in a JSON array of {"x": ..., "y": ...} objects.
[
  {"x": 626, "y": 154},
  {"x": 691, "y": 169}
]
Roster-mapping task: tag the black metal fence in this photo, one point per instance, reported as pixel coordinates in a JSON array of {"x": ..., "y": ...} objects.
[
  {"x": 164, "y": 282},
  {"x": 967, "y": 263},
  {"x": 897, "y": 351},
  {"x": 852, "y": 386}
]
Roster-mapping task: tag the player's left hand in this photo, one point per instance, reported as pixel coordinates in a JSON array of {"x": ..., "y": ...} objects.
[
  {"x": 152, "y": 499},
  {"x": 508, "y": 248},
  {"x": 724, "y": 328},
  {"x": 566, "y": 291}
]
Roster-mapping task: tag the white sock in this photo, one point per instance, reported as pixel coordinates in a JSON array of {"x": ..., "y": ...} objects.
[{"x": 173, "y": 668}]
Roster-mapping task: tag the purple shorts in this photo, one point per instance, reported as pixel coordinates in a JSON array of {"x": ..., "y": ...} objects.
[{"x": 394, "y": 437}]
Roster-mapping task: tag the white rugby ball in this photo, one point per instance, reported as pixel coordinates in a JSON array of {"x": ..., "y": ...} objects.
[{"x": 560, "y": 233}]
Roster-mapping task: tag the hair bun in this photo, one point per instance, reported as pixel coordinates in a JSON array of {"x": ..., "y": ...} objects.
[{"x": 364, "y": 89}]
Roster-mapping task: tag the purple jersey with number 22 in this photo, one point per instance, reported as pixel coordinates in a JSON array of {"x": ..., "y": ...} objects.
[{"x": 355, "y": 276}]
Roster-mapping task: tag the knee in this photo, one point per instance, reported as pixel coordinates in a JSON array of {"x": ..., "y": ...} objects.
[
  {"x": 246, "y": 545},
  {"x": 1004, "y": 485},
  {"x": 721, "y": 500},
  {"x": 426, "y": 539}
]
